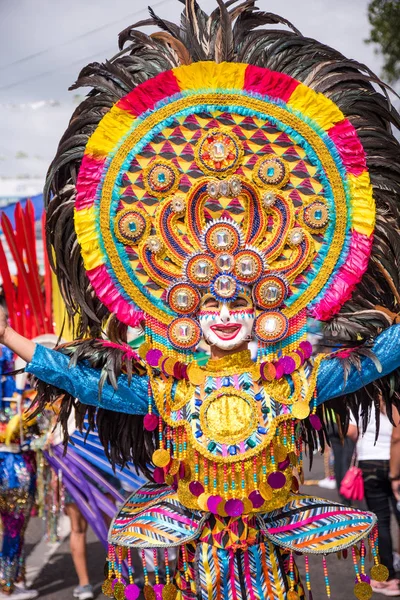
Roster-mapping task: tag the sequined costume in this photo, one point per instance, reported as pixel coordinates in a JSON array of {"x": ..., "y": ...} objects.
[
  {"x": 228, "y": 187},
  {"x": 17, "y": 497},
  {"x": 138, "y": 525},
  {"x": 17, "y": 480}
]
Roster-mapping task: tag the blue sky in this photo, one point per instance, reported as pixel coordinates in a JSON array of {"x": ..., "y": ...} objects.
[{"x": 44, "y": 43}]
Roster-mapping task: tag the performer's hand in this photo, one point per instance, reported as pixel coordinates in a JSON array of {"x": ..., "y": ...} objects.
[
  {"x": 396, "y": 489},
  {"x": 3, "y": 325},
  {"x": 17, "y": 343}
]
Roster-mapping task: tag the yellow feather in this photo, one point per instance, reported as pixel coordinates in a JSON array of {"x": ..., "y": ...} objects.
[{"x": 12, "y": 429}]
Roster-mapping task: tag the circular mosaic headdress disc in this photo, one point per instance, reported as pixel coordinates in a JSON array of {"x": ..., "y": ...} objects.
[{"x": 229, "y": 143}]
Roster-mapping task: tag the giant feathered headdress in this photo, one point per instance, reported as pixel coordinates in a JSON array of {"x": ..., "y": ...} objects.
[{"x": 219, "y": 153}]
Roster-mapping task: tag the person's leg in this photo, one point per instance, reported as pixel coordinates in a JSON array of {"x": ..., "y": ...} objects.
[
  {"x": 78, "y": 542},
  {"x": 377, "y": 490},
  {"x": 20, "y": 574}
]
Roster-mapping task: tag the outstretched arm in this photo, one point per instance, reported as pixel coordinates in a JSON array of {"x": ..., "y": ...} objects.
[
  {"x": 17, "y": 343},
  {"x": 81, "y": 381},
  {"x": 331, "y": 381}
]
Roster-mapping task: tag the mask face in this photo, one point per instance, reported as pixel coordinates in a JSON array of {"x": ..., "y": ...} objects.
[{"x": 227, "y": 325}]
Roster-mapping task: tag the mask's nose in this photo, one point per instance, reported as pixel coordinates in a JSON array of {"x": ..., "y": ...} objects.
[{"x": 225, "y": 314}]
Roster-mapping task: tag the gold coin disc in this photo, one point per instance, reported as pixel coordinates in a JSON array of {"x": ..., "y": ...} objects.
[
  {"x": 379, "y": 573},
  {"x": 196, "y": 374},
  {"x": 169, "y": 365},
  {"x": 107, "y": 589},
  {"x": 149, "y": 593},
  {"x": 280, "y": 452},
  {"x": 119, "y": 591},
  {"x": 362, "y": 590},
  {"x": 265, "y": 490},
  {"x": 188, "y": 470},
  {"x": 221, "y": 509},
  {"x": 202, "y": 501},
  {"x": 169, "y": 479},
  {"x": 292, "y": 595},
  {"x": 296, "y": 359},
  {"x": 174, "y": 468},
  {"x": 247, "y": 506},
  {"x": 169, "y": 591},
  {"x": 161, "y": 457},
  {"x": 300, "y": 410},
  {"x": 143, "y": 350}
]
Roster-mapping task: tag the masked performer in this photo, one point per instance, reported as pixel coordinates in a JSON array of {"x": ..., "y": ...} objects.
[{"x": 225, "y": 182}]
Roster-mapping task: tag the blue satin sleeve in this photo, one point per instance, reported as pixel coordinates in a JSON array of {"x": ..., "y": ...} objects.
[
  {"x": 330, "y": 380},
  {"x": 82, "y": 381}
]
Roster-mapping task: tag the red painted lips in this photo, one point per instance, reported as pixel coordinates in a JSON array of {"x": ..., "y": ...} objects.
[{"x": 226, "y": 331}]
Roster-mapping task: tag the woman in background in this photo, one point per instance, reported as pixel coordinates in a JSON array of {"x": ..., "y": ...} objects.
[{"x": 374, "y": 461}]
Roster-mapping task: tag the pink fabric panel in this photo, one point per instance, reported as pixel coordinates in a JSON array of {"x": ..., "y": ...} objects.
[
  {"x": 89, "y": 176},
  {"x": 148, "y": 93},
  {"x": 348, "y": 144},
  {"x": 347, "y": 277},
  {"x": 269, "y": 83},
  {"x": 109, "y": 294}
]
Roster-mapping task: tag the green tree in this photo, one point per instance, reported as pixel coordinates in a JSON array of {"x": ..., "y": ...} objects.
[{"x": 384, "y": 17}]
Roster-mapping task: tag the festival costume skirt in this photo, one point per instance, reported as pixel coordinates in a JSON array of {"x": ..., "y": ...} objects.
[{"x": 250, "y": 557}]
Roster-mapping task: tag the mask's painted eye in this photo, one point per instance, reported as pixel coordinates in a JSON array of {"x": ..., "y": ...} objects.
[
  {"x": 210, "y": 303},
  {"x": 241, "y": 303}
]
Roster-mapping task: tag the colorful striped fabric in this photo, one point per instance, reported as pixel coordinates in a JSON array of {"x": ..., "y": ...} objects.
[
  {"x": 256, "y": 570},
  {"x": 314, "y": 525},
  {"x": 154, "y": 518}
]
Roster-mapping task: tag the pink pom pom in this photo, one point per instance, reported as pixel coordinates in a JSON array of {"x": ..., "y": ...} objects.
[
  {"x": 196, "y": 488},
  {"x": 132, "y": 592},
  {"x": 316, "y": 422},
  {"x": 256, "y": 499}
]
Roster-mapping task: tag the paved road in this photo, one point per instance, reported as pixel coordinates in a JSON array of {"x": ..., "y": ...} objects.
[{"x": 57, "y": 578}]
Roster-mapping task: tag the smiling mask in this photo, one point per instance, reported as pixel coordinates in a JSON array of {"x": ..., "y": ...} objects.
[{"x": 227, "y": 325}]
